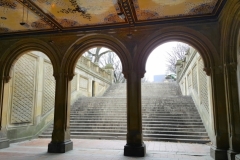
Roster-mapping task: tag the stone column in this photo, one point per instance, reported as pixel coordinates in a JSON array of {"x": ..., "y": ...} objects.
[
  {"x": 61, "y": 142},
  {"x": 220, "y": 145},
  {"x": 4, "y": 142},
  {"x": 233, "y": 110},
  {"x": 135, "y": 146}
]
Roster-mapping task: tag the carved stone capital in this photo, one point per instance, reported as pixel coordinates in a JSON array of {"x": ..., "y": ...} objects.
[
  {"x": 217, "y": 69},
  {"x": 6, "y": 79},
  {"x": 138, "y": 73},
  {"x": 207, "y": 70},
  {"x": 65, "y": 75},
  {"x": 232, "y": 66}
]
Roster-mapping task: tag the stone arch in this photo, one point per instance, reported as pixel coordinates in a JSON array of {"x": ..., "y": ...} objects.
[
  {"x": 230, "y": 34},
  {"x": 21, "y": 47},
  {"x": 92, "y": 40},
  {"x": 182, "y": 34}
]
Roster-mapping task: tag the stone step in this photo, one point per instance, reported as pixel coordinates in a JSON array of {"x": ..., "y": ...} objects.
[
  {"x": 166, "y": 115},
  {"x": 144, "y": 119},
  {"x": 124, "y": 121},
  {"x": 201, "y": 141},
  {"x": 144, "y": 125},
  {"x": 144, "y": 116},
  {"x": 189, "y": 115},
  {"x": 125, "y": 130},
  {"x": 145, "y": 129},
  {"x": 144, "y": 135},
  {"x": 143, "y": 109}
]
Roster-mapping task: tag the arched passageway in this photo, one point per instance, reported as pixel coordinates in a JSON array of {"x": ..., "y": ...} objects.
[
  {"x": 29, "y": 96},
  {"x": 177, "y": 105},
  {"x": 212, "y": 67},
  {"x": 133, "y": 54}
]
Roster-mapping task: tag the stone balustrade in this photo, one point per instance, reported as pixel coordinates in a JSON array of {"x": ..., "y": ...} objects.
[
  {"x": 193, "y": 81},
  {"x": 94, "y": 69}
]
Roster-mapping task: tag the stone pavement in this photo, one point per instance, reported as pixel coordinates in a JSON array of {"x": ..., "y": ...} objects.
[{"x": 85, "y": 149}]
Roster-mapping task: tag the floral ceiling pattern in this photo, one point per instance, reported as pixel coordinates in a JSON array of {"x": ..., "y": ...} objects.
[
  {"x": 14, "y": 17},
  {"x": 159, "y": 9},
  {"x": 44, "y": 15}
]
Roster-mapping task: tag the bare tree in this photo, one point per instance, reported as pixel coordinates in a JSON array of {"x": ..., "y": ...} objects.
[
  {"x": 103, "y": 57},
  {"x": 95, "y": 53},
  {"x": 112, "y": 58},
  {"x": 177, "y": 53}
]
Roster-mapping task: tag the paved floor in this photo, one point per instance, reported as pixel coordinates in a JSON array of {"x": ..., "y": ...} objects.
[{"x": 85, "y": 149}]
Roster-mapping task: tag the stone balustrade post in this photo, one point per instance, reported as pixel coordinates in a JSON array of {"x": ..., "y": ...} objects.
[
  {"x": 135, "y": 146},
  {"x": 109, "y": 68},
  {"x": 61, "y": 142}
]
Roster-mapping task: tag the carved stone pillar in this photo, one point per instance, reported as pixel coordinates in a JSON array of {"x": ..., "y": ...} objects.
[
  {"x": 4, "y": 142},
  {"x": 220, "y": 143},
  {"x": 135, "y": 146},
  {"x": 233, "y": 110},
  {"x": 61, "y": 142}
]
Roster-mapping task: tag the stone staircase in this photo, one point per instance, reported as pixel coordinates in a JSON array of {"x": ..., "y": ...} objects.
[{"x": 167, "y": 115}]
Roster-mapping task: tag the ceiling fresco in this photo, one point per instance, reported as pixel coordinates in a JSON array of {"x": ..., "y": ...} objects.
[
  {"x": 155, "y": 9},
  {"x": 73, "y": 13},
  {"x": 14, "y": 17},
  {"x": 23, "y": 16}
]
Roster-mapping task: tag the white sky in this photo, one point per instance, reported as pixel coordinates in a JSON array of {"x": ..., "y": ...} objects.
[{"x": 156, "y": 62}]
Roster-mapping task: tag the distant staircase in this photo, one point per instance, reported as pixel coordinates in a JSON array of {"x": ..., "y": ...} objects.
[{"x": 167, "y": 115}]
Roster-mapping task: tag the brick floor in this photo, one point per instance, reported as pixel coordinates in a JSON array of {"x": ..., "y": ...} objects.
[{"x": 85, "y": 149}]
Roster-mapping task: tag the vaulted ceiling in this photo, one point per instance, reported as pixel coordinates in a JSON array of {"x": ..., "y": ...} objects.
[{"x": 24, "y": 16}]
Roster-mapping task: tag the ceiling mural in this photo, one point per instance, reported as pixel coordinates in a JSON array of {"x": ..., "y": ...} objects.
[
  {"x": 63, "y": 15},
  {"x": 73, "y": 13},
  {"x": 14, "y": 18},
  {"x": 156, "y": 9}
]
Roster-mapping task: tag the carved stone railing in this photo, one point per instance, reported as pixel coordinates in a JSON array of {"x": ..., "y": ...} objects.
[
  {"x": 93, "y": 69},
  {"x": 193, "y": 81}
]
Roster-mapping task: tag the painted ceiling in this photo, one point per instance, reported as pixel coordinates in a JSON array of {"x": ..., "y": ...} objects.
[{"x": 22, "y": 16}]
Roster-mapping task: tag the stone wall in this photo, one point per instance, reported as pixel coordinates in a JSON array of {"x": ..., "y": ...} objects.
[
  {"x": 194, "y": 81},
  {"x": 30, "y": 95}
]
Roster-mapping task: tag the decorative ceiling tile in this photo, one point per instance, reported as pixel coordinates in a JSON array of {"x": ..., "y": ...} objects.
[
  {"x": 160, "y": 9},
  {"x": 73, "y": 13},
  {"x": 13, "y": 13}
]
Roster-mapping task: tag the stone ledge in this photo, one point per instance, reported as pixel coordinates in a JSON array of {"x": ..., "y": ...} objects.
[
  {"x": 4, "y": 143},
  {"x": 237, "y": 157},
  {"x": 135, "y": 151},
  {"x": 218, "y": 154},
  {"x": 231, "y": 154},
  {"x": 61, "y": 147}
]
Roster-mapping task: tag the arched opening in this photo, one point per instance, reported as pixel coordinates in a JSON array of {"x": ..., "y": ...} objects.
[
  {"x": 29, "y": 96},
  {"x": 98, "y": 96},
  {"x": 176, "y": 101}
]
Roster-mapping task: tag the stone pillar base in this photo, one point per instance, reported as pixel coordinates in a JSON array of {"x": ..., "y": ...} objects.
[
  {"x": 218, "y": 154},
  {"x": 4, "y": 143},
  {"x": 231, "y": 155},
  {"x": 134, "y": 151},
  {"x": 237, "y": 157},
  {"x": 61, "y": 147}
]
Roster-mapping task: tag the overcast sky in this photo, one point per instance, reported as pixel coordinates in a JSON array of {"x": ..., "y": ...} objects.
[{"x": 156, "y": 63}]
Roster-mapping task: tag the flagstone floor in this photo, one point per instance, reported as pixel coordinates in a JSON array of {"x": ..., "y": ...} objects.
[{"x": 85, "y": 149}]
